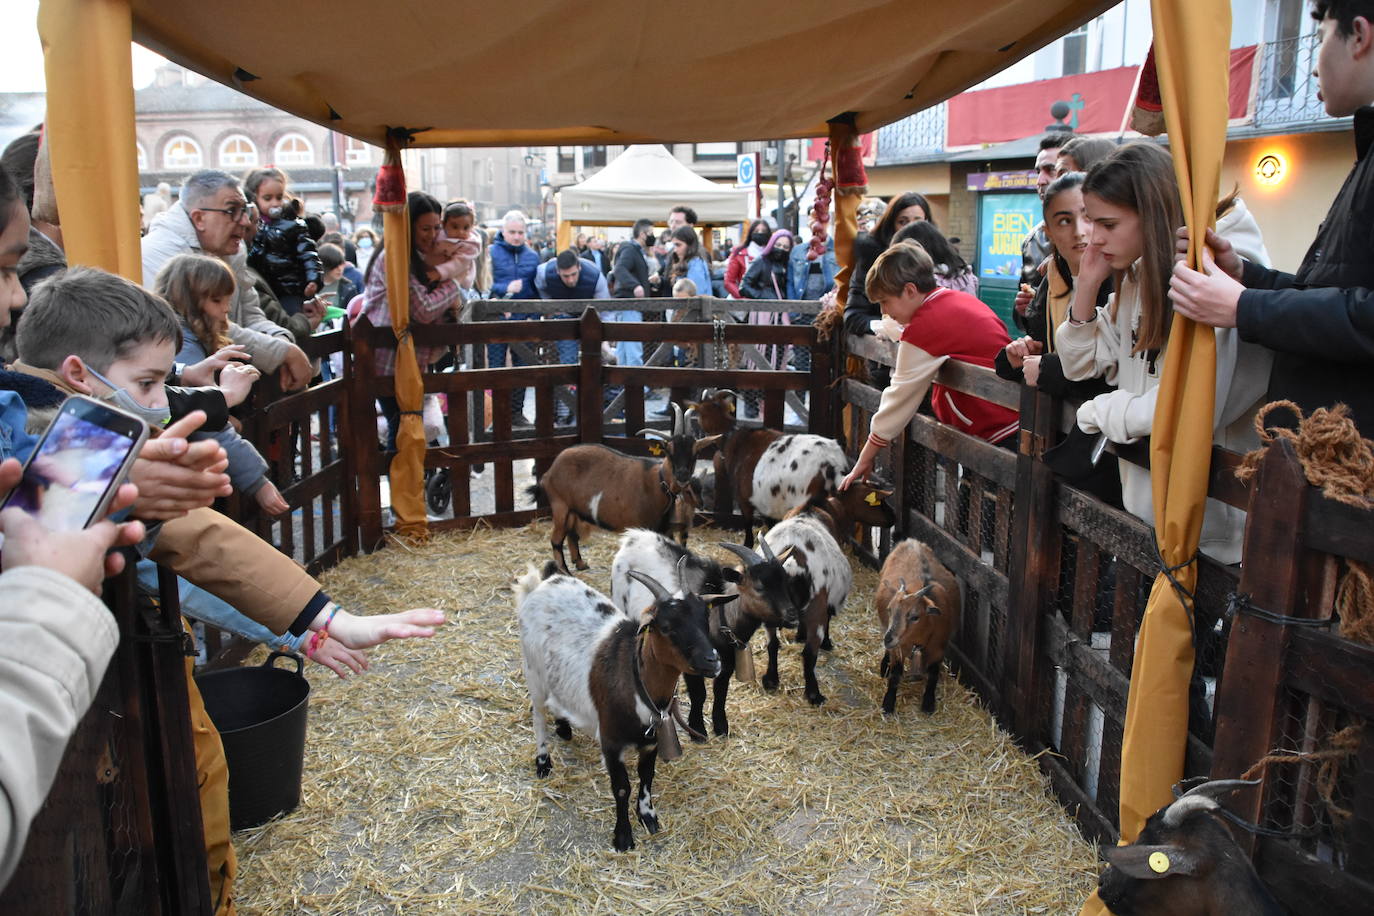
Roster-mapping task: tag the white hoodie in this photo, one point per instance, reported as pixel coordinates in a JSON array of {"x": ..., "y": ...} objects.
[{"x": 1102, "y": 348}]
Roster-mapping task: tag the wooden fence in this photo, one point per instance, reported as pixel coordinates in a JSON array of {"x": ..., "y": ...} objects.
[
  {"x": 1056, "y": 583},
  {"x": 1055, "y": 580}
]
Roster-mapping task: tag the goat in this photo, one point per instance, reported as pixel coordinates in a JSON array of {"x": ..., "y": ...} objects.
[
  {"x": 915, "y": 621},
  {"x": 824, "y": 578},
  {"x": 763, "y": 593},
  {"x": 609, "y": 674},
  {"x": 612, "y": 490},
  {"x": 1186, "y": 863},
  {"x": 771, "y": 473}
]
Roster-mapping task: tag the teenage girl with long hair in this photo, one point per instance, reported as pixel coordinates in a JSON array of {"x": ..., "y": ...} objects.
[{"x": 1132, "y": 199}]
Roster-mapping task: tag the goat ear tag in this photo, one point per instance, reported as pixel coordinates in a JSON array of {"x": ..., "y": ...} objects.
[
  {"x": 873, "y": 499},
  {"x": 1159, "y": 863},
  {"x": 655, "y": 448}
]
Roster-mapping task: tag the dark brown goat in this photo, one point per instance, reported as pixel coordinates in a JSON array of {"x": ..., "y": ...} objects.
[
  {"x": 918, "y": 604},
  {"x": 600, "y": 486},
  {"x": 1186, "y": 863}
]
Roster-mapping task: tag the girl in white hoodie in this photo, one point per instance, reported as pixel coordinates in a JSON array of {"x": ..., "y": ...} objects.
[{"x": 1133, "y": 202}]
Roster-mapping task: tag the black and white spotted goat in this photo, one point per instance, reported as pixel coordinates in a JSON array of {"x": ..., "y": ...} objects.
[
  {"x": 762, "y": 592},
  {"x": 811, "y": 536},
  {"x": 609, "y": 674},
  {"x": 1186, "y": 863}
]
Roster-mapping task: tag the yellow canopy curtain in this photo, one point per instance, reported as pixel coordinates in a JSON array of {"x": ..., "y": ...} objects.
[
  {"x": 89, "y": 130},
  {"x": 1192, "y": 40}
]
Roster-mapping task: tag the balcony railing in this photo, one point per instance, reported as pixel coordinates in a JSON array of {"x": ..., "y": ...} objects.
[
  {"x": 1287, "y": 94},
  {"x": 920, "y": 136}
]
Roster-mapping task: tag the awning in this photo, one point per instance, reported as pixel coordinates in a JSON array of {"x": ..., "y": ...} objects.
[
  {"x": 550, "y": 71},
  {"x": 646, "y": 181}
]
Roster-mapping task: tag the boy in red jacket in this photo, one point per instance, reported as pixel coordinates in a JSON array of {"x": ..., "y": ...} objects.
[{"x": 940, "y": 324}]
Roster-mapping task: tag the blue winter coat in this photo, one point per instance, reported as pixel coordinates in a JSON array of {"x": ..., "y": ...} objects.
[{"x": 509, "y": 263}]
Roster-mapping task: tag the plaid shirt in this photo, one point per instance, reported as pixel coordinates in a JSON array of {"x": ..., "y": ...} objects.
[{"x": 426, "y": 307}]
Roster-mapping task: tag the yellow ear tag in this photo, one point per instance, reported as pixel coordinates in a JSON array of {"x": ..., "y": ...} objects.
[
  {"x": 655, "y": 448},
  {"x": 872, "y": 499},
  {"x": 1159, "y": 863}
]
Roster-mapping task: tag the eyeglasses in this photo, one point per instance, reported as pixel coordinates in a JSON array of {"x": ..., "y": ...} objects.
[{"x": 237, "y": 213}]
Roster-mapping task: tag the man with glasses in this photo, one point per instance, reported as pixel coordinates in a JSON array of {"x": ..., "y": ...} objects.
[{"x": 212, "y": 217}]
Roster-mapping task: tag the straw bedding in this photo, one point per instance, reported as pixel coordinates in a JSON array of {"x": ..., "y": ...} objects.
[{"x": 420, "y": 794}]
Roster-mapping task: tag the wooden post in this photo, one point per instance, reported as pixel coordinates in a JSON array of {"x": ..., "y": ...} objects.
[
  {"x": 821, "y": 406},
  {"x": 172, "y": 774},
  {"x": 1033, "y": 568},
  {"x": 362, "y": 441},
  {"x": 589, "y": 379},
  {"x": 1250, "y": 699}
]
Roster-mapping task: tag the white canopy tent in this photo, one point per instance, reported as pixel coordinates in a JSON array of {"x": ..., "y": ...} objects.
[{"x": 645, "y": 182}]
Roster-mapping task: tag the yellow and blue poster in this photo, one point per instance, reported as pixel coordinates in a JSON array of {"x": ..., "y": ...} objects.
[{"x": 1004, "y": 221}]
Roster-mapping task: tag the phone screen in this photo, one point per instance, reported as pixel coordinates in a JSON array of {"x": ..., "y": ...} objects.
[{"x": 74, "y": 466}]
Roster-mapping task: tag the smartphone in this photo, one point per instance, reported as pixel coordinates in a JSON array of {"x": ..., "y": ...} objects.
[{"x": 78, "y": 465}]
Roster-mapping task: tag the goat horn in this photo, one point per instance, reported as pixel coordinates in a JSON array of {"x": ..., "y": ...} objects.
[
  {"x": 659, "y": 592},
  {"x": 689, "y": 417},
  {"x": 720, "y": 391},
  {"x": 744, "y": 553},
  {"x": 652, "y": 434},
  {"x": 925, "y": 590},
  {"x": 677, "y": 418},
  {"x": 767, "y": 551},
  {"x": 1202, "y": 797}
]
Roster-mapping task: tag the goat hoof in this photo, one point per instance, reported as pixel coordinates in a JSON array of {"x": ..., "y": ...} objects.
[
  {"x": 562, "y": 729},
  {"x": 815, "y": 699},
  {"x": 928, "y": 707},
  {"x": 624, "y": 841},
  {"x": 700, "y": 736},
  {"x": 769, "y": 682},
  {"x": 721, "y": 729},
  {"x": 650, "y": 824},
  {"x": 827, "y": 645},
  {"x": 889, "y": 707},
  {"x": 883, "y": 666},
  {"x": 582, "y": 566},
  {"x": 543, "y": 766}
]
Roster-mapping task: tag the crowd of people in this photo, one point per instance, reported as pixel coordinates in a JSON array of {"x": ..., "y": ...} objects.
[{"x": 236, "y": 277}]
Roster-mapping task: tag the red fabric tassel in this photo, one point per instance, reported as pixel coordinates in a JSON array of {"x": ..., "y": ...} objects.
[
  {"x": 850, "y": 175},
  {"x": 1147, "y": 117}
]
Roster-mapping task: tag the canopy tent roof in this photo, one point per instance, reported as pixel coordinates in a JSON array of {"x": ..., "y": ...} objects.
[
  {"x": 646, "y": 180},
  {"x": 553, "y": 71}
]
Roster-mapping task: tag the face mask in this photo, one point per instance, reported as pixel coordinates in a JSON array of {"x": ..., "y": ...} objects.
[
  {"x": 364, "y": 243},
  {"x": 760, "y": 238},
  {"x": 779, "y": 255},
  {"x": 156, "y": 417}
]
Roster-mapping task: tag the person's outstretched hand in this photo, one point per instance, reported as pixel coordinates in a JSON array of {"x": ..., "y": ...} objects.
[
  {"x": 175, "y": 476},
  {"x": 858, "y": 472},
  {"x": 340, "y": 659},
  {"x": 357, "y": 632}
]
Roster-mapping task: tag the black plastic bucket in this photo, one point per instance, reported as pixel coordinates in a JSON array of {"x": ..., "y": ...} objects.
[{"x": 260, "y": 714}]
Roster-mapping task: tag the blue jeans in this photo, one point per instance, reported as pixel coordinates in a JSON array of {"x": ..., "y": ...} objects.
[
  {"x": 627, "y": 352},
  {"x": 496, "y": 358},
  {"x": 201, "y": 605}
]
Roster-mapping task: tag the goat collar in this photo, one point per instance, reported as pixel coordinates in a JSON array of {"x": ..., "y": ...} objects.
[
  {"x": 668, "y": 491},
  {"x": 667, "y": 716},
  {"x": 723, "y": 628}
]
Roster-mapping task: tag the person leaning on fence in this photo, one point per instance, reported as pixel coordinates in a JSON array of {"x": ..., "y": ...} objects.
[
  {"x": 569, "y": 277},
  {"x": 861, "y": 315},
  {"x": 60, "y": 344},
  {"x": 1133, "y": 201},
  {"x": 1320, "y": 321},
  {"x": 213, "y": 217},
  {"x": 939, "y": 324},
  {"x": 429, "y": 302},
  {"x": 951, "y": 270}
]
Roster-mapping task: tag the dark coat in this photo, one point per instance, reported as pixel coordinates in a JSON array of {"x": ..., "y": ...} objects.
[
  {"x": 858, "y": 311},
  {"x": 284, "y": 253},
  {"x": 756, "y": 283},
  {"x": 631, "y": 270},
  {"x": 1320, "y": 321}
]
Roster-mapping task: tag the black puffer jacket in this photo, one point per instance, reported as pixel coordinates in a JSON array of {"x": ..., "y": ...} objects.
[
  {"x": 1320, "y": 321},
  {"x": 284, "y": 253},
  {"x": 858, "y": 311}
]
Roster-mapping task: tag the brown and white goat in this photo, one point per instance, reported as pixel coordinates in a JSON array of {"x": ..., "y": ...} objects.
[
  {"x": 603, "y": 487},
  {"x": 761, "y": 590},
  {"x": 918, "y": 604},
  {"x": 609, "y": 674},
  {"x": 1186, "y": 863}
]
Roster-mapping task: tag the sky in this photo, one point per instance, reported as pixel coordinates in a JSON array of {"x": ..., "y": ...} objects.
[{"x": 21, "y": 54}]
